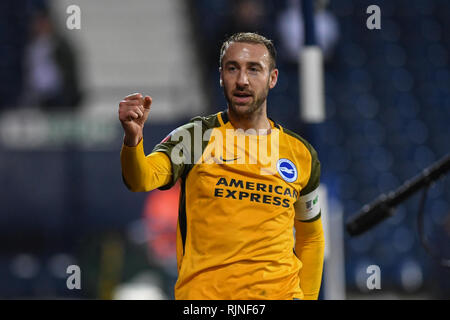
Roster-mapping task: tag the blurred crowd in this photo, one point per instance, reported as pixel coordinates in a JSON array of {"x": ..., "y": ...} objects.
[{"x": 39, "y": 66}]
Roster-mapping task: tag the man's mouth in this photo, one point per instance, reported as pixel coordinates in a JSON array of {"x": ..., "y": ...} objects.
[{"x": 242, "y": 97}]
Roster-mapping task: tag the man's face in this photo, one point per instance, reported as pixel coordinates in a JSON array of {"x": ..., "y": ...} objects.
[{"x": 246, "y": 77}]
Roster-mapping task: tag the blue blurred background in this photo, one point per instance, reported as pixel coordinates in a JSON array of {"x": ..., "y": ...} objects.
[{"x": 63, "y": 202}]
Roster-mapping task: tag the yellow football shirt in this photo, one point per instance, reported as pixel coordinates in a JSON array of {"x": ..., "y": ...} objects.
[{"x": 237, "y": 208}]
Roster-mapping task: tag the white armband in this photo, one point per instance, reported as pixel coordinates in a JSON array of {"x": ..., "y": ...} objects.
[{"x": 307, "y": 207}]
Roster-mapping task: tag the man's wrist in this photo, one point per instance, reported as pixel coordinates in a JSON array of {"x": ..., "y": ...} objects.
[{"x": 132, "y": 141}]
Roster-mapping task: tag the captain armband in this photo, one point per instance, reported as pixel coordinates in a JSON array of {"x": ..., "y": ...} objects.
[{"x": 307, "y": 207}]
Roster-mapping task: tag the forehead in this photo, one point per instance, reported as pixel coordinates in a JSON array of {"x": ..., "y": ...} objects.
[{"x": 243, "y": 52}]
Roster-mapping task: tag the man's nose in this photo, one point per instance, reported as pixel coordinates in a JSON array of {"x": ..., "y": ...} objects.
[{"x": 242, "y": 80}]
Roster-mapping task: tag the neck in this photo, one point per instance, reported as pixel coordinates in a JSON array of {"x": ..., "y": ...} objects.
[{"x": 257, "y": 120}]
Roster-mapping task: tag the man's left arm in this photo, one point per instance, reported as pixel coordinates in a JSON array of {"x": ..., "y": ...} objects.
[
  {"x": 309, "y": 237},
  {"x": 309, "y": 248}
]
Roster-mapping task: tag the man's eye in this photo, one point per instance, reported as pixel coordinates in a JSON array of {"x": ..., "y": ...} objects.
[
  {"x": 231, "y": 68},
  {"x": 254, "y": 69}
]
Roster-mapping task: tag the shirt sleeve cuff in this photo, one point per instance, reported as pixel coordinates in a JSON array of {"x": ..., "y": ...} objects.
[{"x": 136, "y": 149}]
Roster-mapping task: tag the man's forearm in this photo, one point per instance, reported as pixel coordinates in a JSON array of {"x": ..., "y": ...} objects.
[
  {"x": 309, "y": 247},
  {"x": 143, "y": 173}
]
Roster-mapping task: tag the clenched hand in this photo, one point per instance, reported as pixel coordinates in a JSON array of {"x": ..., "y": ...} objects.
[{"x": 133, "y": 112}]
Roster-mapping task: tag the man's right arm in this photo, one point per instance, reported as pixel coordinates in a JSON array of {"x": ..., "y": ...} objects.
[
  {"x": 140, "y": 173},
  {"x": 144, "y": 173}
]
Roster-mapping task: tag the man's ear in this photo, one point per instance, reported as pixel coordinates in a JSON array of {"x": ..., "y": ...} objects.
[
  {"x": 221, "y": 80},
  {"x": 273, "y": 78}
]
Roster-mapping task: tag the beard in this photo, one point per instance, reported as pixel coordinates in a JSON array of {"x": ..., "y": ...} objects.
[{"x": 249, "y": 108}]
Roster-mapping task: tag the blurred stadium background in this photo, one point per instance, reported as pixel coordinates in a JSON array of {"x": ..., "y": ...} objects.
[{"x": 387, "y": 103}]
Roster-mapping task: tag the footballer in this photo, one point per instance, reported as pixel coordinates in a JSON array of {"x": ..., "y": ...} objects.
[{"x": 237, "y": 211}]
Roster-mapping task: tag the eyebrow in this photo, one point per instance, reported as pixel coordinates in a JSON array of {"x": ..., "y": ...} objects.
[{"x": 250, "y": 63}]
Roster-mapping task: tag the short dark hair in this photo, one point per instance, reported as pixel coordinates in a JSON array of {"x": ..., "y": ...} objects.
[{"x": 250, "y": 37}]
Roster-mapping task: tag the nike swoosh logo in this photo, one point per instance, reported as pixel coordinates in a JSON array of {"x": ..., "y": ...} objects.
[{"x": 227, "y": 160}]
